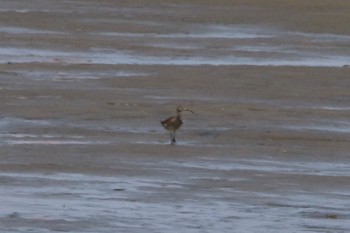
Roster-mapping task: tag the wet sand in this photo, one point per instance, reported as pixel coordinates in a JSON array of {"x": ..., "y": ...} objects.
[{"x": 84, "y": 85}]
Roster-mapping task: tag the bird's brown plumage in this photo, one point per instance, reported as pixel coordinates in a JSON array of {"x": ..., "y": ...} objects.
[{"x": 174, "y": 123}]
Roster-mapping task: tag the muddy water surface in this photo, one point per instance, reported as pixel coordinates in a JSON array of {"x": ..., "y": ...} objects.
[{"x": 84, "y": 84}]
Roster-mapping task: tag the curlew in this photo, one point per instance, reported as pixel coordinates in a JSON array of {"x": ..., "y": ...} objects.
[{"x": 174, "y": 123}]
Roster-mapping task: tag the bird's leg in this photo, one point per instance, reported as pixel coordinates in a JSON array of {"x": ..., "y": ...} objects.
[
  {"x": 173, "y": 141},
  {"x": 171, "y": 137}
]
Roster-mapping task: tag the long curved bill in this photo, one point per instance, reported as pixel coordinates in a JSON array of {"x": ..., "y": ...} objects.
[{"x": 187, "y": 109}]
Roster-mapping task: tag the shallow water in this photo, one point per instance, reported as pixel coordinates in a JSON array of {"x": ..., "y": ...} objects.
[
  {"x": 207, "y": 193},
  {"x": 255, "y": 56},
  {"x": 62, "y": 201},
  {"x": 199, "y": 45},
  {"x": 78, "y": 173}
]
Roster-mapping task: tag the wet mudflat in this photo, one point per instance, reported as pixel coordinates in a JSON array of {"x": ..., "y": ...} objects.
[{"x": 84, "y": 84}]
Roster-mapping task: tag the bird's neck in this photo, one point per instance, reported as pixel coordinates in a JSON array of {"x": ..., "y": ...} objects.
[{"x": 178, "y": 115}]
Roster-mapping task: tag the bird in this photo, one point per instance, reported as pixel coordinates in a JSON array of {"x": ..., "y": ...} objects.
[{"x": 174, "y": 123}]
